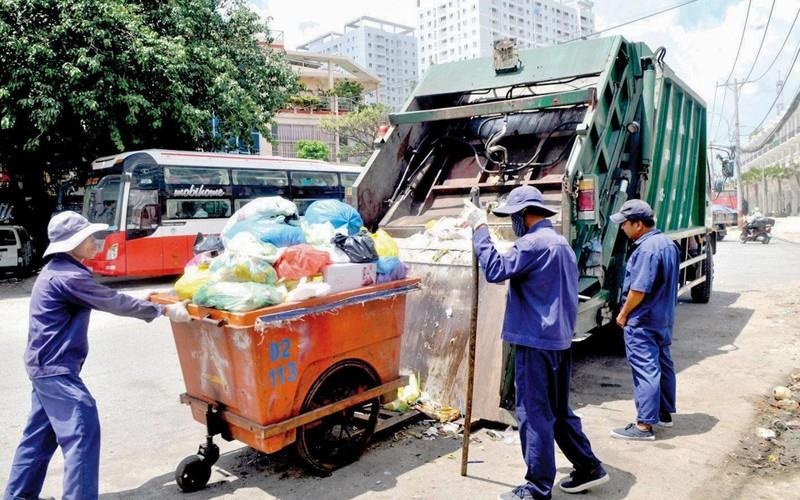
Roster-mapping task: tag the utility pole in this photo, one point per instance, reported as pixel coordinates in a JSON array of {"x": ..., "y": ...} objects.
[{"x": 737, "y": 153}]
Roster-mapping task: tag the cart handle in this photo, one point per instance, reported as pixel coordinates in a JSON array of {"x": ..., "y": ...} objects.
[{"x": 219, "y": 323}]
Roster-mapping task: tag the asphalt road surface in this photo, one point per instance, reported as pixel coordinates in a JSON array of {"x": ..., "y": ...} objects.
[{"x": 727, "y": 354}]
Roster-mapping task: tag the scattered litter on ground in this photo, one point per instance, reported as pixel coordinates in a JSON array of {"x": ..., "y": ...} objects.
[
  {"x": 774, "y": 446},
  {"x": 780, "y": 393},
  {"x": 764, "y": 433}
]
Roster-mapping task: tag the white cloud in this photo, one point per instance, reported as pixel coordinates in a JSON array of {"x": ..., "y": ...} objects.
[
  {"x": 703, "y": 54},
  {"x": 305, "y": 20}
]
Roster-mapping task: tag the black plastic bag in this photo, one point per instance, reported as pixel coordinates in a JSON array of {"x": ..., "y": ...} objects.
[{"x": 360, "y": 247}]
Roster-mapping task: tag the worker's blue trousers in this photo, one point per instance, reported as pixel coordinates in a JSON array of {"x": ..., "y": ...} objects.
[
  {"x": 63, "y": 414},
  {"x": 542, "y": 381},
  {"x": 653, "y": 372}
]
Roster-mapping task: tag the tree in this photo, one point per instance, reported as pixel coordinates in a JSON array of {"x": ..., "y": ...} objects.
[
  {"x": 357, "y": 130},
  {"x": 82, "y": 79},
  {"x": 312, "y": 150},
  {"x": 351, "y": 91}
]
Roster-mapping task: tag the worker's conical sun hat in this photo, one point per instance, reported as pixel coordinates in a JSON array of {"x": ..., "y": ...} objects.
[{"x": 67, "y": 230}]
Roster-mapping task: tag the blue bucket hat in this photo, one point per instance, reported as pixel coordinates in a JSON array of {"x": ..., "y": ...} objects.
[
  {"x": 632, "y": 210},
  {"x": 67, "y": 230},
  {"x": 521, "y": 198}
]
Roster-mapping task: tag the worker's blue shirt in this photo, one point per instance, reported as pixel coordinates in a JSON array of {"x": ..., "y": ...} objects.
[
  {"x": 62, "y": 299},
  {"x": 653, "y": 269},
  {"x": 542, "y": 304}
]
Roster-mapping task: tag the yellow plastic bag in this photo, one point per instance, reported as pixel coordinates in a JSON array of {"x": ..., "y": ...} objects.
[
  {"x": 384, "y": 244},
  {"x": 193, "y": 278}
]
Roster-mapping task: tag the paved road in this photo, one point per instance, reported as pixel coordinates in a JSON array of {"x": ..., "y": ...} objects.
[{"x": 727, "y": 353}]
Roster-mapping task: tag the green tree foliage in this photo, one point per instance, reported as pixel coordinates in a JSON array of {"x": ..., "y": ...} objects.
[
  {"x": 350, "y": 90},
  {"x": 357, "y": 130},
  {"x": 312, "y": 150},
  {"x": 751, "y": 176},
  {"x": 82, "y": 78}
]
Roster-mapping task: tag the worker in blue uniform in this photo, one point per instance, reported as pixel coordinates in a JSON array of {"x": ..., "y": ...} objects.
[
  {"x": 63, "y": 411},
  {"x": 540, "y": 317},
  {"x": 650, "y": 293}
]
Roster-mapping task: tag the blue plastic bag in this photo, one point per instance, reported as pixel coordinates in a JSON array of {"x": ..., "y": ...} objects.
[
  {"x": 338, "y": 213},
  {"x": 283, "y": 235},
  {"x": 391, "y": 269}
]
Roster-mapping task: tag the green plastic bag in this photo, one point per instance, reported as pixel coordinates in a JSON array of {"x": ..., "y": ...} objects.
[{"x": 238, "y": 297}]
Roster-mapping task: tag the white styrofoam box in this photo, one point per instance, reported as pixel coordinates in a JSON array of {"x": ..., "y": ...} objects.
[{"x": 348, "y": 276}]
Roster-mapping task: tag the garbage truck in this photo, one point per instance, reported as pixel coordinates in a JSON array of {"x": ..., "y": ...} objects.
[{"x": 591, "y": 124}]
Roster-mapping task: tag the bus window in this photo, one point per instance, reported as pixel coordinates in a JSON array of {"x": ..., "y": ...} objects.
[
  {"x": 196, "y": 175},
  {"x": 250, "y": 184},
  {"x": 101, "y": 201},
  {"x": 143, "y": 209},
  {"x": 266, "y": 178},
  {"x": 315, "y": 179},
  {"x": 198, "y": 208}
]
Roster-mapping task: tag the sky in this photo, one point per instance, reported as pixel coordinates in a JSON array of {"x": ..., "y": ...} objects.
[{"x": 701, "y": 40}]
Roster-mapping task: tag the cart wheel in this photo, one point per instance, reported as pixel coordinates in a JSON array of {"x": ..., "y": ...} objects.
[
  {"x": 338, "y": 439},
  {"x": 192, "y": 473}
]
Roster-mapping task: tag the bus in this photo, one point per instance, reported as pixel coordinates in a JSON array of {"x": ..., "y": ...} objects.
[{"x": 157, "y": 201}]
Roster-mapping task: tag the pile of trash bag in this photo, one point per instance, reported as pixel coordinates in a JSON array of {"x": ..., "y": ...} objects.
[{"x": 267, "y": 255}]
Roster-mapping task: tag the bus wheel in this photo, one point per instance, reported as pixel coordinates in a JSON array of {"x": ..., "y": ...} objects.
[{"x": 701, "y": 294}]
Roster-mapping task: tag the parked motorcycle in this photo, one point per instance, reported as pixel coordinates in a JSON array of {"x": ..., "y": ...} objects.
[{"x": 757, "y": 229}]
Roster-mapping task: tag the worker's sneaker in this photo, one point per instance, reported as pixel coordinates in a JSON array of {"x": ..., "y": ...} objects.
[
  {"x": 518, "y": 493},
  {"x": 664, "y": 419},
  {"x": 580, "y": 481},
  {"x": 632, "y": 432}
]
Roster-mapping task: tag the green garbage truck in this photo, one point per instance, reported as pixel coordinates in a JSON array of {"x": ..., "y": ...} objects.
[{"x": 591, "y": 124}]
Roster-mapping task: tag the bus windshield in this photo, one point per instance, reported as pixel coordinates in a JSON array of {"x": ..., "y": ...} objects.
[{"x": 102, "y": 199}]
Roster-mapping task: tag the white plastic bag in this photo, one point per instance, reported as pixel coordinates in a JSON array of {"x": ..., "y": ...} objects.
[
  {"x": 308, "y": 289},
  {"x": 256, "y": 213}
]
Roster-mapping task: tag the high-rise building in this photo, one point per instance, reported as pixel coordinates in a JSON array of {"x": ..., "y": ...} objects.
[
  {"x": 452, "y": 30},
  {"x": 386, "y": 49}
]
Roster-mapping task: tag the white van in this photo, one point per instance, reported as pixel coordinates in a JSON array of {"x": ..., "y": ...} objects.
[{"x": 16, "y": 250}]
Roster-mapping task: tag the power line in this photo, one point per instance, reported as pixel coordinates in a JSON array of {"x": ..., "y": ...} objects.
[
  {"x": 761, "y": 45},
  {"x": 780, "y": 50},
  {"x": 736, "y": 59},
  {"x": 777, "y": 97},
  {"x": 642, "y": 18}
]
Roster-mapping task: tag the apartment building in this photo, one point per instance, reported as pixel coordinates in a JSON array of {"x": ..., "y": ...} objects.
[
  {"x": 386, "y": 49},
  {"x": 453, "y": 30}
]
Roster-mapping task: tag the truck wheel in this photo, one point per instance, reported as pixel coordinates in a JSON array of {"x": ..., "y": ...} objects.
[
  {"x": 338, "y": 439},
  {"x": 701, "y": 294}
]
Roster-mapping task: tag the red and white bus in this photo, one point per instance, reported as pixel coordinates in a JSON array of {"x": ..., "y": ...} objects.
[{"x": 156, "y": 201}]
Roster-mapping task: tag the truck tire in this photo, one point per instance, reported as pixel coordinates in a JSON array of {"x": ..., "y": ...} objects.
[{"x": 701, "y": 294}]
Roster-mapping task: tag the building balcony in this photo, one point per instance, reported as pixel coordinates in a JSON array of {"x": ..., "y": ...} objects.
[{"x": 319, "y": 105}]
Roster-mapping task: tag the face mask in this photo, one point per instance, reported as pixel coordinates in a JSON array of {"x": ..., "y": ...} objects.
[{"x": 518, "y": 225}]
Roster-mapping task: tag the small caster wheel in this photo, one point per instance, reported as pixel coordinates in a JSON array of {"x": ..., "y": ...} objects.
[{"x": 192, "y": 473}]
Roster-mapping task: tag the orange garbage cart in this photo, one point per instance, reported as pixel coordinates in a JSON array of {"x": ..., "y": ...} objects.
[{"x": 307, "y": 373}]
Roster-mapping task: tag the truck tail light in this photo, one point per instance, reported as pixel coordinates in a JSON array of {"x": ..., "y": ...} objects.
[{"x": 587, "y": 206}]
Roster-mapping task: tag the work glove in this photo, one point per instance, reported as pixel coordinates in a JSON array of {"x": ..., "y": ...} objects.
[
  {"x": 473, "y": 216},
  {"x": 177, "y": 312}
]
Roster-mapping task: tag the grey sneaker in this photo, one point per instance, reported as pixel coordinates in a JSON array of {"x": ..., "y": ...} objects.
[
  {"x": 518, "y": 493},
  {"x": 664, "y": 420},
  {"x": 632, "y": 432},
  {"x": 580, "y": 481}
]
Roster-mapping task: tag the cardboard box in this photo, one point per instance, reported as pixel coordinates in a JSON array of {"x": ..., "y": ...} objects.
[{"x": 343, "y": 277}]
